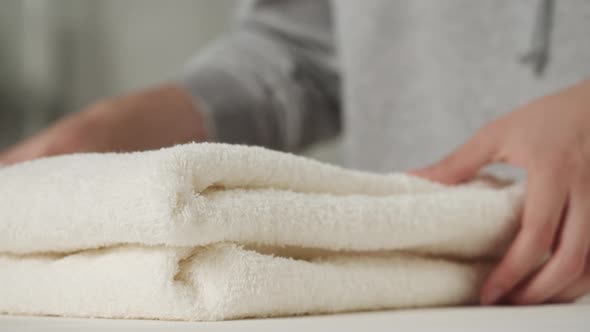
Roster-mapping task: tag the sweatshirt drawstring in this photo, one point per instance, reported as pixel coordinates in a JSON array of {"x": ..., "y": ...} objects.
[{"x": 538, "y": 54}]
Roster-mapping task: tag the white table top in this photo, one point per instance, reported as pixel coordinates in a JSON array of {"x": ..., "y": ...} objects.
[{"x": 561, "y": 318}]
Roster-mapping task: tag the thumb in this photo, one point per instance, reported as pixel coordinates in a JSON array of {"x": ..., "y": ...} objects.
[{"x": 463, "y": 163}]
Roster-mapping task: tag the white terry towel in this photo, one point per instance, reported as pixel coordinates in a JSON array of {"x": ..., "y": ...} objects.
[{"x": 214, "y": 231}]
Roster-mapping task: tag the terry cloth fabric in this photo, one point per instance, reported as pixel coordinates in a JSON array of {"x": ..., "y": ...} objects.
[{"x": 214, "y": 231}]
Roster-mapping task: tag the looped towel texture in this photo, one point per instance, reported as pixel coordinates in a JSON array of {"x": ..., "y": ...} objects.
[{"x": 215, "y": 231}]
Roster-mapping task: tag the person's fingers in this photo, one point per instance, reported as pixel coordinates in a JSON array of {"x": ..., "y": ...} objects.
[
  {"x": 569, "y": 260},
  {"x": 576, "y": 290},
  {"x": 65, "y": 136},
  {"x": 29, "y": 149},
  {"x": 11, "y": 156},
  {"x": 544, "y": 205},
  {"x": 464, "y": 162}
]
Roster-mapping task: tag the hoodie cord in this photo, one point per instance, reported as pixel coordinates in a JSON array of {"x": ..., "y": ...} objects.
[{"x": 538, "y": 54}]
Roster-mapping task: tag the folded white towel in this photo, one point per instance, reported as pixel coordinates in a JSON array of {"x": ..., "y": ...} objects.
[{"x": 214, "y": 231}]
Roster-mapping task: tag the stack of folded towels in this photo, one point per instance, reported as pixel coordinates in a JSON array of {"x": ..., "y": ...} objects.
[{"x": 214, "y": 231}]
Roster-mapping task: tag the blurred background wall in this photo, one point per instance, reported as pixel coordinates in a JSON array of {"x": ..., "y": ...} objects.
[{"x": 58, "y": 55}]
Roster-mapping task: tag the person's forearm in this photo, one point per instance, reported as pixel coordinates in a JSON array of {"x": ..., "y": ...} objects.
[{"x": 150, "y": 119}]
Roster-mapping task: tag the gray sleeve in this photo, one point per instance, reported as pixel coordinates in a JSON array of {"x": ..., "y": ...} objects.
[{"x": 273, "y": 80}]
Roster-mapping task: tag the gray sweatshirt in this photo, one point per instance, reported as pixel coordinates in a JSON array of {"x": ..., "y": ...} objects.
[{"x": 403, "y": 81}]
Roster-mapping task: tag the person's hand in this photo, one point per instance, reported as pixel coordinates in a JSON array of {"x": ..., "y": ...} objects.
[
  {"x": 550, "y": 139},
  {"x": 154, "y": 118}
]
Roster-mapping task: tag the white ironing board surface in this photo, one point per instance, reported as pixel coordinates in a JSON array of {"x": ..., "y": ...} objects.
[{"x": 552, "y": 318}]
